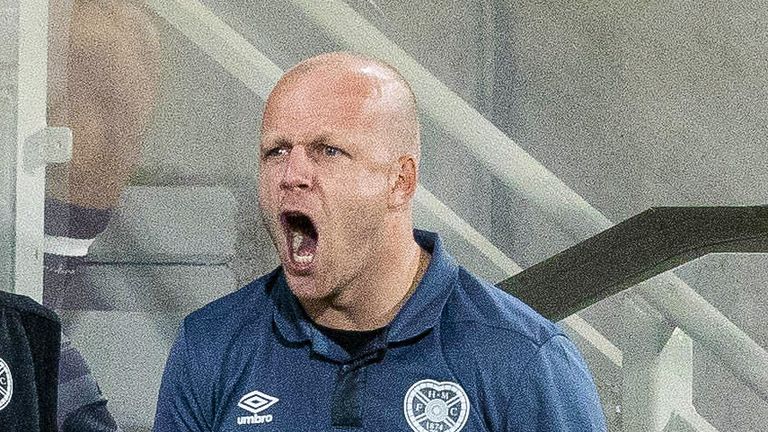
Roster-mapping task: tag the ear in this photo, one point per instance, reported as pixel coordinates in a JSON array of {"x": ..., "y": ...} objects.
[{"x": 403, "y": 179}]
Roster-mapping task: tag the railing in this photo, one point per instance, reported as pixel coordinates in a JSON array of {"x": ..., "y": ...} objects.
[
  {"x": 638, "y": 249},
  {"x": 8, "y": 79},
  {"x": 633, "y": 251}
]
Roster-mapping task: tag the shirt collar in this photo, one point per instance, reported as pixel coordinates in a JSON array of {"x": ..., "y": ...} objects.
[
  {"x": 423, "y": 310},
  {"x": 418, "y": 315},
  {"x": 289, "y": 317}
]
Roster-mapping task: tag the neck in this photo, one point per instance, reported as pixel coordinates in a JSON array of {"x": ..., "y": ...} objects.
[{"x": 373, "y": 298}]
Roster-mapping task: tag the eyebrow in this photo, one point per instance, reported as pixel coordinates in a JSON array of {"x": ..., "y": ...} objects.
[
  {"x": 282, "y": 142},
  {"x": 321, "y": 140}
]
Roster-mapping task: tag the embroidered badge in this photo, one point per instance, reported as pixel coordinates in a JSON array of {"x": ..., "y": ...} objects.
[
  {"x": 436, "y": 406},
  {"x": 6, "y": 384}
]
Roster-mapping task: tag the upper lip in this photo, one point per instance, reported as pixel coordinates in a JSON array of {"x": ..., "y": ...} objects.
[
  {"x": 293, "y": 212},
  {"x": 285, "y": 213}
]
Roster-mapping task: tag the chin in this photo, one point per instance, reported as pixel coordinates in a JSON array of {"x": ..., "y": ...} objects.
[{"x": 307, "y": 287}]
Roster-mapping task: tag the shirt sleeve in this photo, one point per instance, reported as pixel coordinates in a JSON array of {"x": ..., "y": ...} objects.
[
  {"x": 556, "y": 393},
  {"x": 80, "y": 401},
  {"x": 180, "y": 404}
]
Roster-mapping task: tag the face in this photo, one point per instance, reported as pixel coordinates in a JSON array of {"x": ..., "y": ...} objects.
[{"x": 323, "y": 183}]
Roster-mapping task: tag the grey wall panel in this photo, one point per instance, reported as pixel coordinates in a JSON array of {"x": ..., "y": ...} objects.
[
  {"x": 169, "y": 225},
  {"x": 172, "y": 289},
  {"x": 126, "y": 352}
]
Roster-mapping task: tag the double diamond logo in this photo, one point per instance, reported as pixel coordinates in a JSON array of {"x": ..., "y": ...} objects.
[
  {"x": 256, "y": 402},
  {"x": 6, "y": 384},
  {"x": 436, "y": 406}
]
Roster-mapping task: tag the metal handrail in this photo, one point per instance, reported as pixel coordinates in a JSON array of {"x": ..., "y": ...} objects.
[
  {"x": 633, "y": 251},
  {"x": 23, "y": 37},
  {"x": 648, "y": 245}
]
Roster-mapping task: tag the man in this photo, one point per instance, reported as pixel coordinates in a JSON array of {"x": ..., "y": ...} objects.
[
  {"x": 367, "y": 324},
  {"x": 29, "y": 365},
  {"x": 103, "y": 73}
]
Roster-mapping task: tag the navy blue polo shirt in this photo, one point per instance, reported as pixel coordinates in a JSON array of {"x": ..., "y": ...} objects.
[{"x": 461, "y": 355}]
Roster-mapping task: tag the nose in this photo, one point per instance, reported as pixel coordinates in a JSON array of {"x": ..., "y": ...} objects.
[{"x": 298, "y": 170}]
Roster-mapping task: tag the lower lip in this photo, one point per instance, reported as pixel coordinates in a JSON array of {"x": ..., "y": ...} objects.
[{"x": 300, "y": 268}]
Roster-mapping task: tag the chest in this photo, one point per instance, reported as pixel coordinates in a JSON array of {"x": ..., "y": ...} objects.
[{"x": 409, "y": 388}]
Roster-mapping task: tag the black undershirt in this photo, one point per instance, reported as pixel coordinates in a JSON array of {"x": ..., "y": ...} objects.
[
  {"x": 346, "y": 405},
  {"x": 363, "y": 348},
  {"x": 352, "y": 341}
]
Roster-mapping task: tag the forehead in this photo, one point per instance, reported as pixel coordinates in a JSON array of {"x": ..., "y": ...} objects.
[{"x": 322, "y": 103}]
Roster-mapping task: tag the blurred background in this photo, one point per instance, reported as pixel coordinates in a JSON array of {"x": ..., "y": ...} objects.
[{"x": 526, "y": 106}]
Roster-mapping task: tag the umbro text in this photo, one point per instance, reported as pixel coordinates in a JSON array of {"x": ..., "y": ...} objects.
[{"x": 254, "y": 419}]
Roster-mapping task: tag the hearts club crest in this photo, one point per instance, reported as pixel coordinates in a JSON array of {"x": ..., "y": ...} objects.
[
  {"x": 436, "y": 406},
  {"x": 6, "y": 384}
]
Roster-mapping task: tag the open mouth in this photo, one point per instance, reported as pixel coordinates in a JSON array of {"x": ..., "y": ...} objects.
[{"x": 301, "y": 236}]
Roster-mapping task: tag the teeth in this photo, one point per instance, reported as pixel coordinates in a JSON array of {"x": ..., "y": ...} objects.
[
  {"x": 303, "y": 259},
  {"x": 297, "y": 238},
  {"x": 296, "y": 243}
]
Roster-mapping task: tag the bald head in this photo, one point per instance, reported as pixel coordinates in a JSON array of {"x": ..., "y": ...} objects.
[
  {"x": 366, "y": 92},
  {"x": 337, "y": 176}
]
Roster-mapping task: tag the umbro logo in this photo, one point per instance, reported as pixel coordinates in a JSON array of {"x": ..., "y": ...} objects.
[{"x": 256, "y": 402}]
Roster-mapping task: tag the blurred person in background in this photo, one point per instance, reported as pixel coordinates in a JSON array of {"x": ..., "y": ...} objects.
[{"x": 103, "y": 61}]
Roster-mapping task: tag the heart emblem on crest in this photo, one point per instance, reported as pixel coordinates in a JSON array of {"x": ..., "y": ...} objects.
[
  {"x": 436, "y": 406},
  {"x": 6, "y": 384}
]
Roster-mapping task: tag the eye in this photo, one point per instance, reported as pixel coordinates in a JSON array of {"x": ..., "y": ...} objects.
[
  {"x": 331, "y": 151},
  {"x": 275, "y": 152}
]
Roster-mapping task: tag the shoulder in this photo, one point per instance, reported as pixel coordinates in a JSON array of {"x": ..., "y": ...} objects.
[
  {"x": 479, "y": 304},
  {"x": 494, "y": 341},
  {"x": 25, "y": 306},
  {"x": 224, "y": 318},
  {"x": 478, "y": 314}
]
